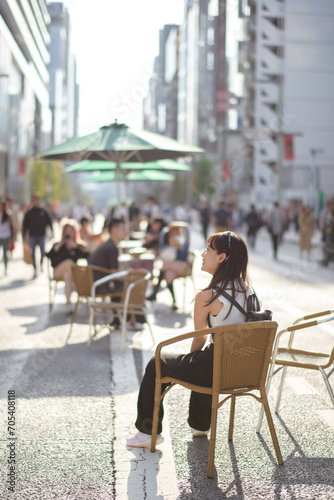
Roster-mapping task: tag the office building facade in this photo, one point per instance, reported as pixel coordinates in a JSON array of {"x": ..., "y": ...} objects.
[
  {"x": 290, "y": 100},
  {"x": 25, "y": 118}
]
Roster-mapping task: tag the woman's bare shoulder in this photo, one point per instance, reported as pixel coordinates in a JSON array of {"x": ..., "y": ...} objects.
[{"x": 204, "y": 295}]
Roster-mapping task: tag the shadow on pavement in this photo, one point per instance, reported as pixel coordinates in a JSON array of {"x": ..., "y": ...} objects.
[
  {"x": 45, "y": 319},
  {"x": 164, "y": 318},
  {"x": 198, "y": 454},
  {"x": 299, "y": 469},
  {"x": 74, "y": 370},
  {"x": 15, "y": 284}
]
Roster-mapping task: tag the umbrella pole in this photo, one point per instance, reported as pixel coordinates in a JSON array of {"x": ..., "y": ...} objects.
[
  {"x": 118, "y": 194},
  {"x": 127, "y": 218}
]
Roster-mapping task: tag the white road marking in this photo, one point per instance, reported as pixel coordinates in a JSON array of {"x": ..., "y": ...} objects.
[
  {"x": 300, "y": 386},
  {"x": 327, "y": 416}
]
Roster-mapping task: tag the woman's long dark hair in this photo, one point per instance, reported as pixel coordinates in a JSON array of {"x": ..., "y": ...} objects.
[{"x": 232, "y": 272}]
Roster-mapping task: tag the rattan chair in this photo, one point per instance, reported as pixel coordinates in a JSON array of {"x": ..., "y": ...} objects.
[
  {"x": 83, "y": 279},
  {"x": 241, "y": 358},
  {"x": 131, "y": 301},
  {"x": 297, "y": 358}
]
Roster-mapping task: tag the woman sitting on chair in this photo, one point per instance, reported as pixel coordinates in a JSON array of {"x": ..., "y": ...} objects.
[
  {"x": 66, "y": 253},
  {"x": 174, "y": 250},
  {"x": 226, "y": 259}
]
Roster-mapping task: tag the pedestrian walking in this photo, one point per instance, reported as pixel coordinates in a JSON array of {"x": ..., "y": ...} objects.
[
  {"x": 328, "y": 246},
  {"x": 306, "y": 225},
  {"x": 64, "y": 254},
  {"x": 7, "y": 231},
  {"x": 226, "y": 259},
  {"x": 222, "y": 218},
  {"x": 14, "y": 209},
  {"x": 325, "y": 218},
  {"x": 205, "y": 215},
  {"x": 276, "y": 225},
  {"x": 34, "y": 225},
  {"x": 253, "y": 223}
]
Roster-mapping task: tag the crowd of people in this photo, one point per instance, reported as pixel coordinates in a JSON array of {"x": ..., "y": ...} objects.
[{"x": 35, "y": 223}]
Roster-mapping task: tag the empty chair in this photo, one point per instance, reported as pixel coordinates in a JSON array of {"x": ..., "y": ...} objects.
[
  {"x": 299, "y": 358},
  {"x": 131, "y": 300},
  {"x": 241, "y": 358},
  {"x": 83, "y": 279}
]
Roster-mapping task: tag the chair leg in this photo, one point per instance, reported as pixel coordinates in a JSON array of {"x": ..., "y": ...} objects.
[
  {"x": 329, "y": 388},
  {"x": 149, "y": 327},
  {"x": 271, "y": 427},
  {"x": 91, "y": 321},
  {"x": 212, "y": 446},
  {"x": 50, "y": 297},
  {"x": 268, "y": 383},
  {"x": 52, "y": 294},
  {"x": 232, "y": 412},
  {"x": 184, "y": 293},
  {"x": 157, "y": 399},
  {"x": 124, "y": 332},
  {"x": 74, "y": 315},
  {"x": 280, "y": 389},
  {"x": 133, "y": 319}
]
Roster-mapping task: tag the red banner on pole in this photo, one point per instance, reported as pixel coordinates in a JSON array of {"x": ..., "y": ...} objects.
[
  {"x": 288, "y": 147},
  {"x": 226, "y": 170},
  {"x": 22, "y": 166}
]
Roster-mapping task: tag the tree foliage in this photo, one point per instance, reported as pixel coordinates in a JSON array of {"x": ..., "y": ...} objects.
[
  {"x": 204, "y": 182},
  {"x": 48, "y": 179}
]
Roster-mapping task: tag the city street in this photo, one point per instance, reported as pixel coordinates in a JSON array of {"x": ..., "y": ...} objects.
[{"x": 75, "y": 405}]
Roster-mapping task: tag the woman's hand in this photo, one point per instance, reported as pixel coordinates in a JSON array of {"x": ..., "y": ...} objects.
[{"x": 70, "y": 244}]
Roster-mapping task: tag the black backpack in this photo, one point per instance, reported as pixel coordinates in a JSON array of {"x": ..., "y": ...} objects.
[{"x": 253, "y": 308}]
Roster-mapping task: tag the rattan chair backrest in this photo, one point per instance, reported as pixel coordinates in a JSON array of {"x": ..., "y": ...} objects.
[
  {"x": 138, "y": 292},
  {"x": 242, "y": 355},
  {"x": 83, "y": 279}
]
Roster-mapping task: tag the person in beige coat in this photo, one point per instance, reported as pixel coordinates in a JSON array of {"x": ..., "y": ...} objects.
[{"x": 306, "y": 224}]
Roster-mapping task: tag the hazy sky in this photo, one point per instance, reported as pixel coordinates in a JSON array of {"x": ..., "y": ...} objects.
[{"x": 115, "y": 42}]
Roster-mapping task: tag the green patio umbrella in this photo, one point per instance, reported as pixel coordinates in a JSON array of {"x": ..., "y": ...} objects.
[
  {"x": 100, "y": 165},
  {"x": 140, "y": 175},
  {"x": 120, "y": 144}
]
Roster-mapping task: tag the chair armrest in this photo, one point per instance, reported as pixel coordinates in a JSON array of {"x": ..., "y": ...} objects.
[
  {"x": 103, "y": 269},
  {"x": 302, "y": 326},
  {"x": 315, "y": 315},
  {"x": 174, "y": 340},
  {"x": 106, "y": 279}
]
